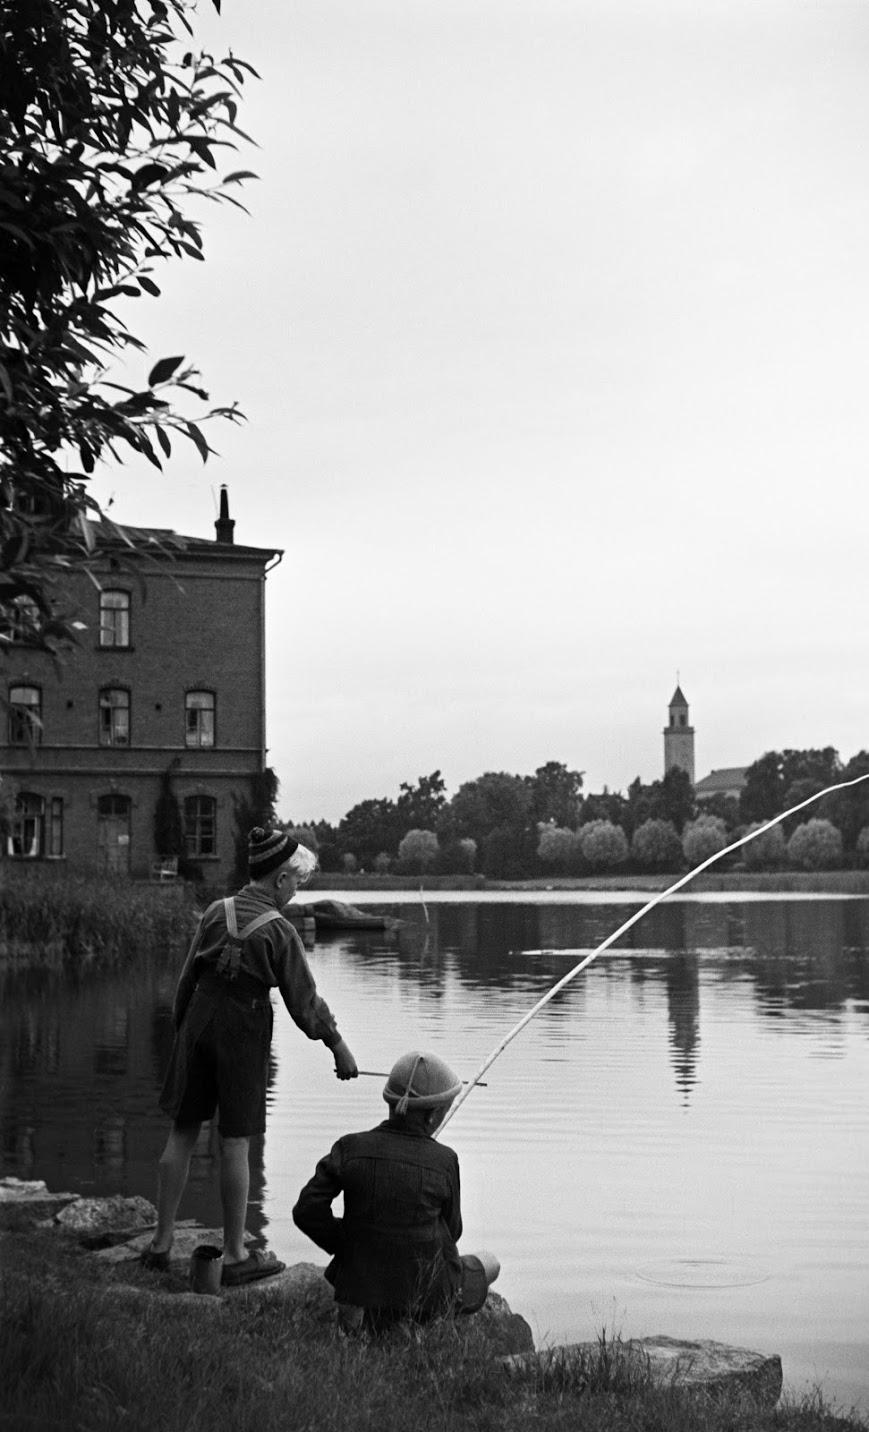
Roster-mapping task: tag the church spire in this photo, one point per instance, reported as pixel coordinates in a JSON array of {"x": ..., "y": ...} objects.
[{"x": 679, "y": 735}]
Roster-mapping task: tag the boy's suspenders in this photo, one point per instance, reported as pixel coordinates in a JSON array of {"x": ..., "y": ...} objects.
[{"x": 230, "y": 955}]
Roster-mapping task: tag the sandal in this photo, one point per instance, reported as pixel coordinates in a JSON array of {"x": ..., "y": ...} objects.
[
  {"x": 255, "y": 1266},
  {"x": 158, "y": 1262}
]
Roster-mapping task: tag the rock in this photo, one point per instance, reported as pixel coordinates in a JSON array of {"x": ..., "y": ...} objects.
[
  {"x": 508, "y": 1332},
  {"x": 26, "y": 1202},
  {"x": 712, "y": 1367},
  {"x": 90, "y": 1215},
  {"x": 188, "y": 1235}
]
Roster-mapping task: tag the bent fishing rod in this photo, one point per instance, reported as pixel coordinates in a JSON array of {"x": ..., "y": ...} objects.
[{"x": 638, "y": 915}]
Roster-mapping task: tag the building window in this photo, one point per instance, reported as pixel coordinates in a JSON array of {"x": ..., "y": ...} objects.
[
  {"x": 200, "y": 825},
  {"x": 114, "y": 618},
  {"x": 25, "y": 716},
  {"x": 199, "y": 718},
  {"x": 28, "y": 827},
  {"x": 54, "y": 846},
  {"x": 114, "y": 716},
  {"x": 113, "y": 834},
  {"x": 23, "y": 621}
]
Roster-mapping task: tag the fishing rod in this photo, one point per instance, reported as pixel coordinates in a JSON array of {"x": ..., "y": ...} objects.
[{"x": 638, "y": 915}]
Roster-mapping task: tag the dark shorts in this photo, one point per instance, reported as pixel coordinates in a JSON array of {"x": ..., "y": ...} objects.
[{"x": 220, "y": 1059}]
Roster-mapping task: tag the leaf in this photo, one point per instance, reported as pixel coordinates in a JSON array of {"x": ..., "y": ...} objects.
[
  {"x": 164, "y": 442},
  {"x": 238, "y": 175},
  {"x": 196, "y": 437},
  {"x": 147, "y": 174},
  {"x": 149, "y": 286},
  {"x": 163, "y": 370}
]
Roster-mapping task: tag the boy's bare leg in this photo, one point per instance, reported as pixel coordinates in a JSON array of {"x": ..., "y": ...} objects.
[
  {"x": 234, "y": 1188},
  {"x": 172, "y": 1171}
]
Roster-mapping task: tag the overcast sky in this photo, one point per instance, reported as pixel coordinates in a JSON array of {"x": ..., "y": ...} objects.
[{"x": 551, "y": 323}]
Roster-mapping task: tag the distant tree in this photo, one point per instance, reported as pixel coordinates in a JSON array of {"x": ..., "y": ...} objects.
[
  {"x": 457, "y": 857},
  {"x": 368, "y": 828},
  {"x": 656, "y": 846},
  {"x": 816, "y": 845},
  {"x": 382, "y": 863},
  {"x": 603, "y": 846},
  {"x": 418, "y": 807},
  {"x": 670, "y": 799},
  {"x": 109, "y": 128},
  {"x": 494, "y": 801},
  {"x": 726, "y": 808},
  {"x": 769, "y": 782},
  {"x": 862, "y": 846},
  {"x": 305, "y": 835},
  {"x": 849, "y": 810},
  {"x": 555, "y": 794},
  {"x": 418, "y": 852},
  {"x": 557, "y": 849},
  {"x": 768, "y": 851},
  {"x": 606, "y": 805},
  {"x": 505, "y": 854},
  {"x": 703, "y": 837},
  {"x": 349, "y": 863}
]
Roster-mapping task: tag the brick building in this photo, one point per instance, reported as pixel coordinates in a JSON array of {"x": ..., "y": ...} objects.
[{"x": 166, "y": 688}]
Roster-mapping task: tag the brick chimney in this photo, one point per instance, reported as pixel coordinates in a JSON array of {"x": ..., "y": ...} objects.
[{"x": 224, "y": 526}]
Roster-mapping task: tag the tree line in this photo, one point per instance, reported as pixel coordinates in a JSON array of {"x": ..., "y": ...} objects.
[{"x": 513, "y": 827}]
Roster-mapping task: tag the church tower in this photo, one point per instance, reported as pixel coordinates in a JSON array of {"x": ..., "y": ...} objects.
[{"x": 679, "y": 736}]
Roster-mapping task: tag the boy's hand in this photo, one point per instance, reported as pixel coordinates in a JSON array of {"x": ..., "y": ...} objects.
[{"x": 345, "y": 1064}]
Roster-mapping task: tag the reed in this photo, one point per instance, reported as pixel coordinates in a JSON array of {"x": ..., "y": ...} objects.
[
  {"x": 78, "y": 1351},
  {"x": 52, "y": 918}
]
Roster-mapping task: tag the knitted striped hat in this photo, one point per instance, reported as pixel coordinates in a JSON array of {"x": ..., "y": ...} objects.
[
  {"x": 420, "y": 1081},
  {"x": 267, "y": 849}
]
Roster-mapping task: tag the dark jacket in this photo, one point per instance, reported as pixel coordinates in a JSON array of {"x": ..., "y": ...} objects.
[{"x": 395, "y": 1247}]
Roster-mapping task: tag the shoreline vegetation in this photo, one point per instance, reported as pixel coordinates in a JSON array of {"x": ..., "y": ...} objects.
[
  {"x": 82, "y": 924},
  {"x": 81, "y": 1351}
]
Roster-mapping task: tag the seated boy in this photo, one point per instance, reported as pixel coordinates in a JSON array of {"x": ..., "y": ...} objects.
[{"x": 394, "y": 1251}]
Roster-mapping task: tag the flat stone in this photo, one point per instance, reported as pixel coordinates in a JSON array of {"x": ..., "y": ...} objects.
[
  {"x": 90, "y": 1215},
  {"x": 709, "y": 1366},
  {"x": 188, "y": 1235},
  {"x": 26, "y": 1202}
]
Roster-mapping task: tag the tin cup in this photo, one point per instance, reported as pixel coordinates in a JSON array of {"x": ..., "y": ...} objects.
[{"x": 206, "y": 1269}]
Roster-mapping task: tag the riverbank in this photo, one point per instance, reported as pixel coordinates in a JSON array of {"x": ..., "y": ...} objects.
[
  {"x": 85, "y": 1346},
  {"x": 773, "y": 882}
]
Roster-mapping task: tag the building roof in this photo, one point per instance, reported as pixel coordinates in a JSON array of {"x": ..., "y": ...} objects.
[
  {"x": 725, "y": 778},
  {"x": 162, "y": 541},
  {"x": 678, "y": 699}
]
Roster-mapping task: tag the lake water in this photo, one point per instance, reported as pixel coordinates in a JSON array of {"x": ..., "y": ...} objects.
[{"x": 678, "y": 1143}]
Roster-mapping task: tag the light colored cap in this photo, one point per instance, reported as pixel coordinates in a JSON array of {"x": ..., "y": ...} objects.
[{"x": 420, "y": 1081}]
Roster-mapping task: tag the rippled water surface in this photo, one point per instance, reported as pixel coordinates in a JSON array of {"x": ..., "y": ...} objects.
[{"x": 678, "y": 1143}]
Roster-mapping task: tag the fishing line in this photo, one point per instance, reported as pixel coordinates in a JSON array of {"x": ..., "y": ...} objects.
[{"x": 638, "y": 915}]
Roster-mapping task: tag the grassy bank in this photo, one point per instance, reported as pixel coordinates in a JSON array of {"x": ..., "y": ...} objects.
[
  {"x": 54, "y": 919},
  {"x": 82, "y": 1351}
]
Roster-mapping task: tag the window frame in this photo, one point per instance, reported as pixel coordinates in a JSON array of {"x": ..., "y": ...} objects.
[
  {"x": 121, "y": 612},
  {"x": 23, "y": 729},
  {"x": 107, "y": 738},
  {"x": 197, "y": 743},
  {"x": 200, "y": 812},
  {"x": 17, "y": 827}
]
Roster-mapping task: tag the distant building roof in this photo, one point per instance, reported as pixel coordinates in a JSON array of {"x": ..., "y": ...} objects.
[
  {"x": 727, "y": 780},
  {"x": 678, "y": 698}
]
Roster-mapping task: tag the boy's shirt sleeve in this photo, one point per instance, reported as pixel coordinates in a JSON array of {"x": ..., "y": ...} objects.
[
  {"x": 313, "y": 1211},
  {"x": 298, "y": 989}
]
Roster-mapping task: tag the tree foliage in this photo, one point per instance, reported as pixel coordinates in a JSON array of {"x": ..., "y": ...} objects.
[
  {"x": 557, "y": 849},
  {"x": 703, "y": 837},
  {"x": 815, "y": 845},
  {"x": 418, "y": 852},
  {"x": 604, "y": 846},
  {"x": 656, "y": 846},
  {"x": 771, "y": 781},
  {"x": 110, "y": 128},
  {"x": 555, "y": 794}
]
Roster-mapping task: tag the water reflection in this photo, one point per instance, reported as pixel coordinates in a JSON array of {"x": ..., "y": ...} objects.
[{"x": 718, "y": 1046}]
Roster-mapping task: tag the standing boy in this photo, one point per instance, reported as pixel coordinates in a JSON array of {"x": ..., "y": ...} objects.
[
  {"x": 394, "y": 1251},
  {"x": 243, "y": 946}
]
